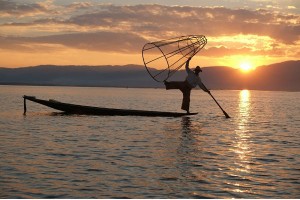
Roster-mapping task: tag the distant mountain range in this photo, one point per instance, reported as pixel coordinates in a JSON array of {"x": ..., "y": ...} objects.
[{"x": 279, "y": 76}]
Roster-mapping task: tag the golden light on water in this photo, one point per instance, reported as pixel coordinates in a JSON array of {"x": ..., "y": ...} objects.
[
  {"x": 240, "y": 167},
  {"x": 244, "y": 101},
  {"x": 242, "y": 138},
  {"x": 244, "y": 110}
]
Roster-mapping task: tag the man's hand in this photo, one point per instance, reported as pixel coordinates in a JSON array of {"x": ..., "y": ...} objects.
[
  {"x": 187, "y": 63},
  {"x": 206, "y": 90}
]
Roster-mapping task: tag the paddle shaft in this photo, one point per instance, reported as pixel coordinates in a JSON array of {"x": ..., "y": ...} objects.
[
  {"x": 226, "y": 115},
  {"x": 25, "y": 108}
]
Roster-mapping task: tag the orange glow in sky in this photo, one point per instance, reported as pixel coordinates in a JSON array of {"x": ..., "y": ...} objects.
[{"x": 93, "y": 33}]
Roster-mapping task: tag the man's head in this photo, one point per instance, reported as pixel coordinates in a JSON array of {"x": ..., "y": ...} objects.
[{"x": 197, "y": 70}]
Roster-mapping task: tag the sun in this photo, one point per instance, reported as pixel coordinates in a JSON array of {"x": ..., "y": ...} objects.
[{"x": 246, "y": 66}]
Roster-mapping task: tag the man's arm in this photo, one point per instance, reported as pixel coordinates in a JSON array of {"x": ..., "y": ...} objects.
[
  {"x": 187, "y": 64},
  {"x": 203, "y": 87}
]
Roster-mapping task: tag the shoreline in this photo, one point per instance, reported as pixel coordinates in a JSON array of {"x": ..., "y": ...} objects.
[{"x": 125, "y": 87}]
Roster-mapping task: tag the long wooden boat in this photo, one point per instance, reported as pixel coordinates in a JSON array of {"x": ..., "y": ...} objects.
[{"x": 90, "y": 110}]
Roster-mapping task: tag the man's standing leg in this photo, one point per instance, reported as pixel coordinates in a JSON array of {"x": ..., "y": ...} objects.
[
  {"x": 186, "y": 92},
  {"x": 186, "y": 99}
]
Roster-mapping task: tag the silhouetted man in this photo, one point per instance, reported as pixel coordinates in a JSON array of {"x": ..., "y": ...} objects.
[{"x": 191, "y": 81}]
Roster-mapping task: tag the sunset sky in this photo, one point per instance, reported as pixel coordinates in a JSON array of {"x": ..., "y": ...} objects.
[{"x": 94, "y": 32}]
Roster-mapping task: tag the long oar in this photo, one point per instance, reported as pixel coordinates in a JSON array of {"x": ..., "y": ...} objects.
[{"x": 226, "y": 115}]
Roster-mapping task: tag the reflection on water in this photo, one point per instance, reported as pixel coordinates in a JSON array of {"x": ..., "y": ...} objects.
[
  {"x": 254, "y": 154},
  {"x": 242, "y": 144},
  {"x": 244, "y": 107},
  {"x": 242, "y": 132},
  {"x": 186, "y": 125}
]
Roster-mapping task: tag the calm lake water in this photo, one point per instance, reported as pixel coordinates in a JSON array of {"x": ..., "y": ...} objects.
[{"x": 254, "y": 154}]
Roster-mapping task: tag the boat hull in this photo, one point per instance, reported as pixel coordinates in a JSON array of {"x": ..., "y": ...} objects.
[{"x": 90, "y": 110}]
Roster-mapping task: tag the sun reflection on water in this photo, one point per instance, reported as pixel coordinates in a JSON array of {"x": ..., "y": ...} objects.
[
  {"x": 241, "y": 144},
  {"x": 242, "y": 137},
  {"x": 244, "y": 107}
]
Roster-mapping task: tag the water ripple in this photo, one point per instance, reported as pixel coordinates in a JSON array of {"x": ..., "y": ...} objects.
[{"x": 255, "y": 154}]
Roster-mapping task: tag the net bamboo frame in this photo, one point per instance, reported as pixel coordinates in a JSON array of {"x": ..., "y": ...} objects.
[{"x": 163, "y": 58}]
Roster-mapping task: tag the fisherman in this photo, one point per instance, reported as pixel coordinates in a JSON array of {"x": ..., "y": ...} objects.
[{"x": 191, "y": 81}]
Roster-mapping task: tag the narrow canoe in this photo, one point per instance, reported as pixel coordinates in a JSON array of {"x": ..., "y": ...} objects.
[{"x": 90, "y": 110}]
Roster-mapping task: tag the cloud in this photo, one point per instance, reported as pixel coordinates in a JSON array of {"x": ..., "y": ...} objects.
[
  {"x": 10, "y": 8},
  {"x": 246, "y": 51},
  {"x": 111, "y": 28},
  {"x": 79, "y": 5},
  {"x": 101, "y": 41},
  {"x": 159, "y": 21}
]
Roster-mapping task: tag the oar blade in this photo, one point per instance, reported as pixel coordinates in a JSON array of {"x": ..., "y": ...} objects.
[{"x": 226, "y": 115}]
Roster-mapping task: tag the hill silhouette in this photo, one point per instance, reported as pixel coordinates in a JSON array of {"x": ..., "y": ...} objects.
[{"x": 278, "y": 76}]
